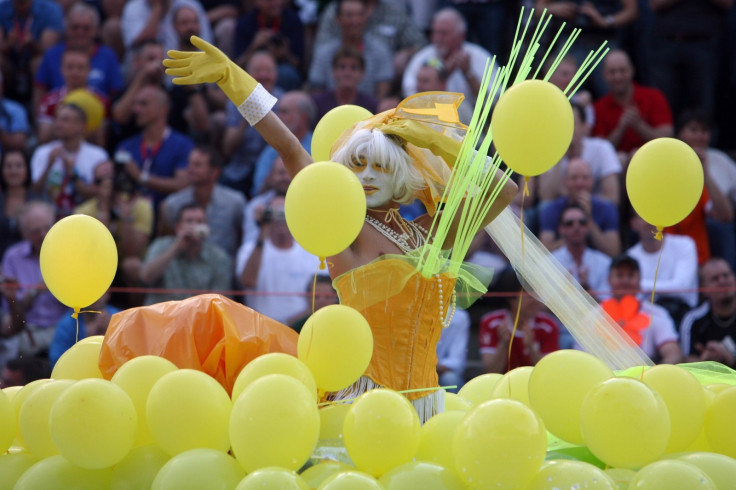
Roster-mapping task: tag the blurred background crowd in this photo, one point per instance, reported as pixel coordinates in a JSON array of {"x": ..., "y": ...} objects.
[{"x": 194, "y": 197}]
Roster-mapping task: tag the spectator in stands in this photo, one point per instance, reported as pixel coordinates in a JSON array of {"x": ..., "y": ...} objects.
[
  {"x": 589, "y": 267},
  {"x": 23, "y": 370},
  {"x": 487, "y": 22},
  {"x": 600, "y": 155},
  {"x": 352, "y": 16},
  {"x": 630, "y": 114},
  {"x": 536, "y": 332},
  {"x": 14, "y": 126},
  {"x": 82, "y": 34},
  {"x": 464, "y": 62},
  {"x": 274, "y": 27},
  {"x": 562, "y": 77},
  {"x": 275, "y": 265},
  {"x": 224, "y": 206},
  {"x": 649, "y": 326},
  {"x": 15, "y": 190},
  {"x": 276, "y": 185},
  {"x": 63, "y": 169},
  {"x": 33, "y": 309},
  {"x": 186, "y": 260},
  {"x": 602, "y": 215},
  {"x": 452, "y": 351},
  {"x": 297, "y": 111},
  {"x": 674, "y": 261},
  {"x": 386, "y": 21},
  {"x": 348, "y": 69},
  {"x": 154, "y": 19},
  {"x": 223, "y": 17},
  {"x": 708, "y": 333},
  {"x": 156, "y": 158},
  {"x": 320, "y": 293},
  {"x": 719, "y": 194},
  {"x": 242, "y": 144}
]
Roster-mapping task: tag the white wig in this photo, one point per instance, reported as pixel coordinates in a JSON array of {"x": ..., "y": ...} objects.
[{"x": 388, "y": 150}]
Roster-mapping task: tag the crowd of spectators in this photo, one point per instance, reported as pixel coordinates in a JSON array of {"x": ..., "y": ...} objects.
[{"x": 194, "y": 197}]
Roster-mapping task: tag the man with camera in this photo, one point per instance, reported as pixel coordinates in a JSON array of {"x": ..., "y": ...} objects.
[{"x": 186, "y": 264}]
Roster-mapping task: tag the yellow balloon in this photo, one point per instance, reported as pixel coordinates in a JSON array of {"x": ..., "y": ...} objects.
[
  {"x": 33, "y": 419},
  {"x": 664, "y": 181},
  {"x": 12, "y": 466},
  {"x": 435, "y": 445},
  {"x": 557, "y": 386},
  {"x": 350, "y": 480},
  {"x": 17, "y": 400},
  {"x": 188, "y": 409},
  {"x": 455, "y": 402},
  {"x": 315, "y": 475},
  {"x": 332, "y": 126},
  {"x": 499, "y": 444},
  {"x": 138, "y": 468},
  {"x": 336, "y": 344},
  {"x": 514, "y": 385},
  {"x": 137, "y": 376},
  {"x": 685, "y": 400},
  {"x": 700, "y": 444},
  {"x": 622, "y": 476},
  {"x": 625, "y": 423},
  {"x": 58, "y": 472},
  {"x": 92, "y": 339},
  {"x": 274, "y": 363},
  {"x": 719, "y": 427},
  {"x": 671, "y": 473},
  {"x": 331, "y": 420},
  {"x": 533, "y": 110},
  {"x": 479, "y": 389},
  {"x": 273, "y": 477},
  {"x": 79, "y": 362},
  {"x": 199, "y": 469},
  {"x": 325, "y": 208},
  {"x": 7, "y": 422},
  {"x": 92, "y": 106},
  {"x": 93, "y": 423},
  {"x": 78, "y": 260},
  {"x": 274, "y": 422},
  {"x": 720, "y": 468},
  {"x": 421, "y": 475},
  {"x": 571, "y": 474},
  {"x": 381, "y": 431}
]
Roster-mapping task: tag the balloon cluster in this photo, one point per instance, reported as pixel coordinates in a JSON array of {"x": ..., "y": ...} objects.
[{"x": 156, "y": 426}]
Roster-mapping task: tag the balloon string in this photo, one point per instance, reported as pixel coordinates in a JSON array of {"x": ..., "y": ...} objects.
[
  {"x": 75, "y": 315},
  {"x": 521, "y": 216},
  {"x": 513, "y": 334},
  {"x": 656, "y": 271},
  {"x": 344, "y": 401},
  {"x": 322, "y": 263},
  {"x": 658, "y": 234},
  {"x": 314, "y": 290}
]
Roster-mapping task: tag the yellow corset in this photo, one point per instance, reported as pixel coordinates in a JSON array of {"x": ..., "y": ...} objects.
[{"x": 405, "y": 311}]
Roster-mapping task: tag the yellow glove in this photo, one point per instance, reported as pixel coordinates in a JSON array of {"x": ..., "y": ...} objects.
[
  {"x": 210, "y": 65},
  {"x": 423, "y": 136}
]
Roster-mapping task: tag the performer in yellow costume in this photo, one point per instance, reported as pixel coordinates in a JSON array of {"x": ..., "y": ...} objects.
[{"x": 398, "y": 156}]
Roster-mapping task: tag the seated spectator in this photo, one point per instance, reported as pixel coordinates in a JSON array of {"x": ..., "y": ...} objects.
[
  {"x": 82, "y": 34},
  {"x": 186, "y": 261},
  {"x": 223, "y": 17},
  {"x": 276, "y": 184},
  {"x": 242, "y": 144},
  {"x": 352, "y": 16},
  {"x": 648, "y": 325},
  {"x": 93, "y": 321},
  {"x": 274, "y": 27},
  {"x": 275, "y": 265},
  {"x": 15, "y": 191},
  {"x": 75, "y": 70},
  {"x": 33, "y": 309},
  {"x": 630, "y": 114},
  {"x": 22, "y": 370},
  {"x": 536, "y": 334},
  {"x": 224, "y": 206},
  {"x": 708, "y": 332},
  {"x": 452, "y": 351},
  {"x": 488, "y": 21},
  {"x": 589, "y": 267},
  {"x": 432, "y": 77},
  {"x": 320, "y": 293},
  {"x": 14, "y": 126},
  {"x": 348, "y": 68},
  {"x": 600, "y": 155},
  {"x": 714, "y": 207},
  {"x": 156, "y": 158},
  {"x": 63, "y": 169},
  {"x": 602, "y": 215},
  {"x": 464, "y": 62},
  {"x": 674, "y": 262},
  {"x": 562, "y": 77}
]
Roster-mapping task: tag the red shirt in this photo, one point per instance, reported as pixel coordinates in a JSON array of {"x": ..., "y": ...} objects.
[
  {"x": 695, "y": 227},
  {"x": 652, "y": 106},
  {"x": 546, "y": 334}
]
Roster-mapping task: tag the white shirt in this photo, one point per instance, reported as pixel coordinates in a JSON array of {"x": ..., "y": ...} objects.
[
  {"x": 597, "y": 263},
  {"x": 137, "y": 12},
  {"x": 722, "y": 170},
  {"x": 85, "y": 160}
]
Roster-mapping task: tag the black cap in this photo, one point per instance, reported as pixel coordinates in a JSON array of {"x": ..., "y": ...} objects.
[{"x": 626, "y": 260}]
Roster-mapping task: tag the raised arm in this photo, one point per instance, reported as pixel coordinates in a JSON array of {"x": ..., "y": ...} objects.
[{"x": 210, "y": 65}]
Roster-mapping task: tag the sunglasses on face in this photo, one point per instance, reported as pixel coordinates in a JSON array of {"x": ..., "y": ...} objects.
[{"x": 570, "y": 222}]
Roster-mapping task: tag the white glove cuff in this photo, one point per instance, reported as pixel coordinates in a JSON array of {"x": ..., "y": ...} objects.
[{"x": 257, "y": 105}]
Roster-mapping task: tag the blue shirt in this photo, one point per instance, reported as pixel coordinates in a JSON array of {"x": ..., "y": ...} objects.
[
  {"x": 266, "y": 159},
  {"x": 605, "y": 214},
  {"x": 13, "y": 117},
  {"x": 44, "y": 14},
  {"x": 66, "y": 334},
  {"x": 104, "y": 75}
]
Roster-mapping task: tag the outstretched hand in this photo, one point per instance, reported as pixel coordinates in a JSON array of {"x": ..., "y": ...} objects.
[{"x": 193, "y": 67}]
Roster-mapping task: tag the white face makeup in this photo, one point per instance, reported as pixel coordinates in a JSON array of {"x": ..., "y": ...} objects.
[{"x": 376, "y": 181}]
